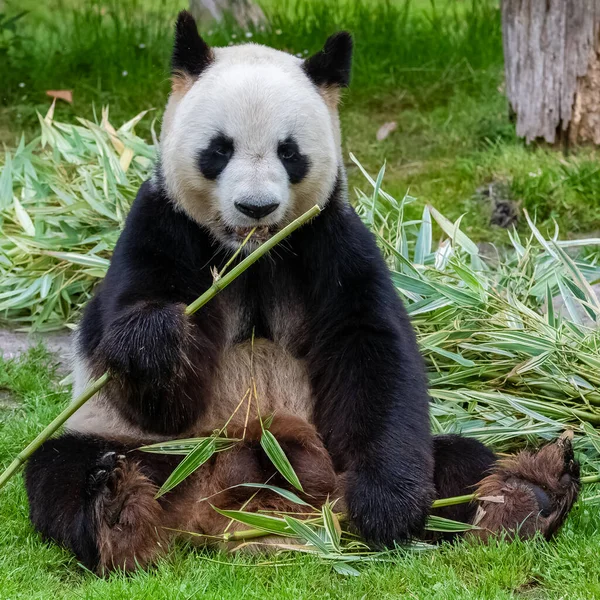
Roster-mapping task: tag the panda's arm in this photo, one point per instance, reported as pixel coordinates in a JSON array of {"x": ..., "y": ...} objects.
[
  {"x": 369, "y": 380},
  {"x": 135, "y": 326}
]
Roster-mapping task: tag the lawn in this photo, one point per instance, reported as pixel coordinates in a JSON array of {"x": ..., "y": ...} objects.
[
  {"x": 31, "y": 569},
  {"x": 502, "y": 367}
]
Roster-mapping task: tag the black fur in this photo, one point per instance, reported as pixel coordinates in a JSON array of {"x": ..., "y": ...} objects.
[
  {"x": 162, "y": 360},
  {"x": 62, "y": 484},
  {"x": 213, "y": 159},
  {"x": 367, "y": 375},
  {"x": 460, "y": 464},
  {"x": 296, "y": 164},
  {"x": 331, "y": 66},
  {"x": 191, "y": 54}
]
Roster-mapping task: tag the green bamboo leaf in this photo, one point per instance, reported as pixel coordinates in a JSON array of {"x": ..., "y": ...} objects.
[
  {"x": 423, "y": 245},
  {"x": 332, "y": 527},
  {"x": 462, "y": 297},
  {"x": 427, "y": 305},
  {"x": 412, "y": 284},
  {"x": 23, "y": 218},
  {"x": 580, "y": 296},
  {"x": 452, "y": 231},
  {"x": 453, "y": 356},
  {"x": 550, "y": 307},
  {"x": 435, "y": 523},
  {"x": 443, "y": 255},
  {"x": 305, "y": 532},
  {"x": 187, "y": 445},
  {"x": 263, "y": 522},
  {"x": 6, "y": 183},
  {"x": 80, "y": 259},
  {"x": 193, "y": 461},
  {"x": 472, "y": 280},
  {"x": 376, "y": 190},
  {"x": 540, "y": 238},
  {"x": 535, "y": 362},
  {"x": 579, "y": 279},
  {"x": 570, "y": 302},
  {"x": 287, "y": 494},
  {"x": 369, "y": 178},
  {"x": 277, "y": 456}
]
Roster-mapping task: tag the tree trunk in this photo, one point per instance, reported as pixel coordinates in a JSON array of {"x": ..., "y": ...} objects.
[
  {"x": 552, "y": 64},
  {"x": 245, "y": 12}
]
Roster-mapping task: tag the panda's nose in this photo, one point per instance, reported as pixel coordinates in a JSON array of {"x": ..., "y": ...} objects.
[{"x": 256, "y": 210}]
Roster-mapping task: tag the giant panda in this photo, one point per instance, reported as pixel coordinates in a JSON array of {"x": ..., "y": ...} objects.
[{"x": 251, "y": 137}]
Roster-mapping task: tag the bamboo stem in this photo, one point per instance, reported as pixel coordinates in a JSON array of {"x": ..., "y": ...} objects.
[
  {"x": 590, "y": 479},
  {"x": 470, "y": 497},
  {"x": 452, "y": 501},
  {"x": 96, "y": 385},
  {"x": 224, "y": 281},
  {"x": 16, "y": 464},
  {"x": 246, "y": 534}
]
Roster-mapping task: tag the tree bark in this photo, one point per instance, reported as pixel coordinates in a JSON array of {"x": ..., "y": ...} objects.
[
  {"x": 245, "y": 12},
  {"x": 552, "y": 65}
]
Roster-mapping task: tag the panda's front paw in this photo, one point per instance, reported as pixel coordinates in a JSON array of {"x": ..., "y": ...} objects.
[
  {"x": 147, "y": 344},
  {"x": 387, "y": 513},
  {"x": 530, "y": 492}
]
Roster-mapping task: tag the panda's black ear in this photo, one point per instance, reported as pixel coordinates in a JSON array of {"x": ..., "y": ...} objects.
[
  {"x": 191, "y": 54},
  {"x": 331, "y": 65}
]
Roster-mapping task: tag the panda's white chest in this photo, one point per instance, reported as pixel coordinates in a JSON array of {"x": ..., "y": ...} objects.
[{"x": 258, "y": 375}]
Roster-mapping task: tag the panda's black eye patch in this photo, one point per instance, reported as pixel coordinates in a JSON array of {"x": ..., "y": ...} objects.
[
  {"x": 296, "y": 164},
  {"x": 213, "y": 159}
]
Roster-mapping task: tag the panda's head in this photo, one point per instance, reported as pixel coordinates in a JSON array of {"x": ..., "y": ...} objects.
[{"x": 250, "y": 136}]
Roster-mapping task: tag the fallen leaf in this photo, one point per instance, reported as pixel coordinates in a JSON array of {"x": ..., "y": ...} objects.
[
  {"x": 385, "y": 130},
  {"x": 66, "y": 95}
]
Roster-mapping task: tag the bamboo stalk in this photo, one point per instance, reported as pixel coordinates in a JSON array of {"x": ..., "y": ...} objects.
[
  {"x": 452, "y": 501},
  {"x": 219, "y": 285},
  {"x": 52, "y": 427},
  {"x": 224, "y": 281}
]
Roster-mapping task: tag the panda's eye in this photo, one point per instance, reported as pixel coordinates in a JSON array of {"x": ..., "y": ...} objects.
[
  {"x": 224, "y": 150},
  {"x": 287, "y": 153},
  {"x": 294, "y": 162},
  {"x": 213, "y": 159}
]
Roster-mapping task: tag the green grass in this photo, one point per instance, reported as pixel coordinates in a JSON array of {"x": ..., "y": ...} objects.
[{"x": 31, "y": 568}]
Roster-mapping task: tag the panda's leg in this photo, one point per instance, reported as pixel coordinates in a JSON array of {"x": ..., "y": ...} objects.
[
  {"x": 524, "y": 494},
  {"x": 460, "y": 463},
  {"x": 96, "y": 497}
]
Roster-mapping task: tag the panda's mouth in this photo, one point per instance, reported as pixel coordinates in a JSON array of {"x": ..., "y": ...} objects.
[{"x": 262, "y": 234}]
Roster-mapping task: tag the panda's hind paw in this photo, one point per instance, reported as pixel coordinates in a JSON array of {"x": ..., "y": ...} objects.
[{"x": 530, "y": 492}]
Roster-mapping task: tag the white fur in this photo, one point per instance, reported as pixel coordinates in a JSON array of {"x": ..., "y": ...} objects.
[{"x": 257, "y": 96}]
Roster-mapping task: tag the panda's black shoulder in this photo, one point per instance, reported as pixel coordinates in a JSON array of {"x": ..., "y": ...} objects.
[
  {"x": 159, "y": 252},
  {"x": 339, "y": 243},
  {"x": 155, "y": 225}
]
